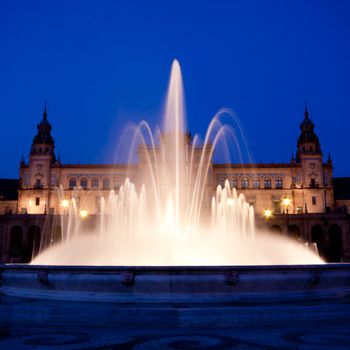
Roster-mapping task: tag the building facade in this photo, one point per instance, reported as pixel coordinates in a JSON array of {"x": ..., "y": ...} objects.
[
  {"x": 306, "y": 181},
  {"x": 298, "y": 194}
]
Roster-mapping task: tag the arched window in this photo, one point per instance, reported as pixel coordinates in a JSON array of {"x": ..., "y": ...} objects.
[
  {"x": 106, "y": 183},
  {"x": 221, "y": 181},
  {"x": 72, "y": 183},
  {"x": 117, "y": 183},
  {"x": 94, "y": 183},
  {"x": 245, "y": 183},
  {"x": 267, "y": 183},
  {"x": 233, "y": 182},
  {"x": 38, "y": 183},
  {"x": 84, "y": 183},
  {"x": 16, "y": 238},
  {"x": 256, "y": 183},
  {"x": 278, "y": 182}
]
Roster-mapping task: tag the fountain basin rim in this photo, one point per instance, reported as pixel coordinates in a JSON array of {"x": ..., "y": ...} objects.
[
  {"x": 174, "y": 268},
  {"x": 175, "y": 285}
]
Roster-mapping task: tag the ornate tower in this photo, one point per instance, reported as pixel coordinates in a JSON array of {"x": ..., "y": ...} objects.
[
  {"x": 35, "y": 176},
  {"x": 315, "y": 176},
  {"x": 43, "y": 144},
  {"x": 308, "y": 142}
]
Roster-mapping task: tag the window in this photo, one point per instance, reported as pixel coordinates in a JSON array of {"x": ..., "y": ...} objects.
[
  {"x": 94, "y": 183},
  {"x": 313, "y": 199},
  {"x": 106, "y": 183},
  {"x": 313, "y": 183},
  {"x": 234, "y": 183},
  {"x": 37, "y": 201},
  {"x": 53, "y": 180},
  {"x": 245, "y": 183},
  {"x": 256, "y": 183},
  {"x": 84, "y": 183},
  {"x": 251, "y": 200},
  {"x": 116, "y": 184},
  {"x": 267, "y": 183},
  {"x": 72, "y": 183},
  {"x": 299, "y": 210},
  {"x": 276, "y": 207},
  {"x": 221, "y": 181},
  {"x": 38, "y": 183},
  {"x": 279, "y": 183}
]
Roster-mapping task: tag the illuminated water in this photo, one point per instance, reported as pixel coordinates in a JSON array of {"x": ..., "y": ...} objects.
[{"x": 171, "y": 217}]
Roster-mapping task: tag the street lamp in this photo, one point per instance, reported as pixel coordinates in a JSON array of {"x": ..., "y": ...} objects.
[
  {"x": 286, "y": 203},
  {"x": 267, "y": 214},
  {"x": 83, "y": 213},
  {"x": 65, "y": 205}
]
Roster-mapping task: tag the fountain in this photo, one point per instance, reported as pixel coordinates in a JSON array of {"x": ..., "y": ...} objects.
[
  {"x": 166, "y": 221},
  {"x": 168, "y": 243}
]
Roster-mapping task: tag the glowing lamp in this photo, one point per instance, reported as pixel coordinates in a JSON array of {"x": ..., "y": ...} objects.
[
  {"x": 83, "y": 213},
  {"x": 286, "y": 202},
  {"x": 65, "y": 203},
  {"x": 267, "y": 214}
]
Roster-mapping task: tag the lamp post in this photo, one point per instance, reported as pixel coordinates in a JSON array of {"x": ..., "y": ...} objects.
[
  {"x": 267, "y": 215},
  {"x": 286, "y": 204}
]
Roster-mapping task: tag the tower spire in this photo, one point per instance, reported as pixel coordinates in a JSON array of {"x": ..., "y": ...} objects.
[
  {"x": 329, "y": 160},
  {"x": 308, "y": 141},
  {"x": 45, "y": 112},
  {"x": 306, "y": 112},
  {"x": 43, "y": 142}
]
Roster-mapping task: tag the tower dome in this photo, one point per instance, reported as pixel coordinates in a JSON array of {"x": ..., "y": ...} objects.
[
  {"x": 308, "y": 142},
  {"x": 43, "y": 142}
]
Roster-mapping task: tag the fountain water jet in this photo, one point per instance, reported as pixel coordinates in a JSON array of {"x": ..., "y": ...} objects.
[{"x": 164, "y": 219}]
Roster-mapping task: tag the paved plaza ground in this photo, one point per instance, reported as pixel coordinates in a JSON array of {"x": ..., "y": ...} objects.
[
  {"x": 90, "y": 326},
  {"x": 294, "y": 337}
]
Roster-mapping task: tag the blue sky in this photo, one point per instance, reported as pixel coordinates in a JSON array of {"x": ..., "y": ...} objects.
[{"x": 101, "y": 64}]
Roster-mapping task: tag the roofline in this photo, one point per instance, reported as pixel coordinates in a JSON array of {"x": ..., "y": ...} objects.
[
  {"x": 215, "y": 165},
  {"x": 110, "y": 166},
  {"x": 254, "y": 165}
]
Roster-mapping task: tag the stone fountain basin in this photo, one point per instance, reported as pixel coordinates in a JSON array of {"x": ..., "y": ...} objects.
[{"x": 184, "y": 285}]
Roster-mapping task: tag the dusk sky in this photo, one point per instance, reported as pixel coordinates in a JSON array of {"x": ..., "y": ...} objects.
[{"x": 102, "y": 64}]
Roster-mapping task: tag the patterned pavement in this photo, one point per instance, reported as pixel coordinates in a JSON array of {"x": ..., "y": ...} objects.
[{"x": 272, "y": 338}]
